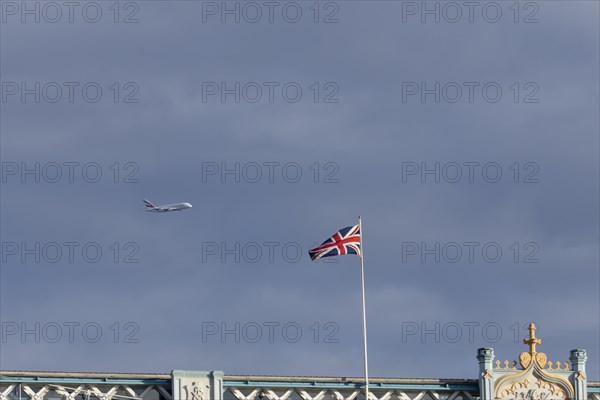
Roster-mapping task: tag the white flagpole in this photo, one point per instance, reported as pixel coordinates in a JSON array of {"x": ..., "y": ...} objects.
[{"x": 364, "y": 311}]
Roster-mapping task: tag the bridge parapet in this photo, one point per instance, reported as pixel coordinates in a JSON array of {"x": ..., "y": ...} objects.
[
  {"x": 179, "y": 385},
  {"x": 320, "y": 388}
]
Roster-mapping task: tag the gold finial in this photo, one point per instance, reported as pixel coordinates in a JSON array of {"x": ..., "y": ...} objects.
[
  {"x": 532, "y": 341},
  {"x": 532, "y": 356}
]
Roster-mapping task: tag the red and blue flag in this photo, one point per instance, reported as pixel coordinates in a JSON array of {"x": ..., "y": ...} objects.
[{"x": 345, "y": 241}]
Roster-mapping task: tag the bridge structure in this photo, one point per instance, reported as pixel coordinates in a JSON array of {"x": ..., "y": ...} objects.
[{"x": 533, "y": 377}]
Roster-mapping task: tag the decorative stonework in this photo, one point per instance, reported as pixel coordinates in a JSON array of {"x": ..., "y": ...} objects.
[
  {"x": 537, "y": 379},
  {"x": 195, "y": 392},
  {"x": 197, "y": 385},
  {"x": 533, "y": 389}
]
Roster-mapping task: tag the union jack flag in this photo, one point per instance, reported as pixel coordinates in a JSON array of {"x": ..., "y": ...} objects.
[{"x": 345, "y": 241}]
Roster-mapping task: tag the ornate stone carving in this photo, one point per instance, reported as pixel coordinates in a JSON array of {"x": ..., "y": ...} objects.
[
  {"x": 541, "y": 358},
  {"x": 526, "y": 357},
  {"x": 525, "y": 360},
  {"x": 533, "y": 389},
  {"x": 533, "y": 382},
  {"x": 194, "y": 392}
]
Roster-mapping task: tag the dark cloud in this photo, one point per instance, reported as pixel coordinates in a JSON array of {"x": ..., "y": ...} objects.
[{"x": 360, "y": 145}]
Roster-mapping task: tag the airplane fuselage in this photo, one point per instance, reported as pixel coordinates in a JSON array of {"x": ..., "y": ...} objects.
[{"x": 167, "y": 207}]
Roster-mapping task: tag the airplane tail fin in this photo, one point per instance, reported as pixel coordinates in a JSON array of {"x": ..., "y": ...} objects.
[{"x": 148, "y": 204}]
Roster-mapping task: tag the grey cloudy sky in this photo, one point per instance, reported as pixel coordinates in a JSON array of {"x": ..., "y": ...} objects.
[{"x": 507, "y": 233}]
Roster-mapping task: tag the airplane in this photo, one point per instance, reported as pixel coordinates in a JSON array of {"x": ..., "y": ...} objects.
[{"x": 167, "y": 207}]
